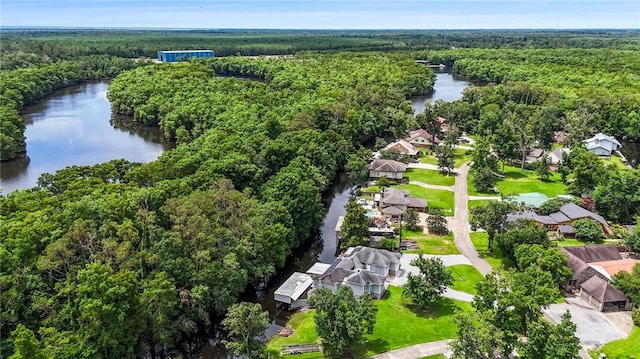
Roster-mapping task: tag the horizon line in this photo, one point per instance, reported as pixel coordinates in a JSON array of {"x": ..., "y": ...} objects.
[{"x": 309, "y": 29}]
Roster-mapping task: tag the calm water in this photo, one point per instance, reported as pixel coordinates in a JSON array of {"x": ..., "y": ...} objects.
[
  {"x": 74, "y": 126},
  {"x": 447, "y": 88}
]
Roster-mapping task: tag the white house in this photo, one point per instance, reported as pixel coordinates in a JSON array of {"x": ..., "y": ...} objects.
[
  {"x": 422, "y": 138},
  {"x": 602, "y": 145}
]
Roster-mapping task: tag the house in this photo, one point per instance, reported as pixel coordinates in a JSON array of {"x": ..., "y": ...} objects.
[
  {"x": 402, "y": 146},
  {"x": 555, "y": 156},
  {"x": 395, "y": 202},
  {"x": 422, "y": 138},
  {"x": 534, "y": 155},
  {"x": 602, "y": 145},
  {"x": 387, "y": 168},
  {"x": 592, "y": 268},
  {"x": 363, "y": 269},
  {"x": 444, "y": 126},
  {"x": 563, "y": 217}
]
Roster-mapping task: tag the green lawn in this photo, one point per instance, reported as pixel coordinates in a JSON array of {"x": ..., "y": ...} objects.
[
  {"x": 370, "y": 189},
  {"x": 614, "y": 160},
  {"x": 465, "y": 278},
  {"x": 480, "y": 240},
  {"x": 518, "y": 181},
  {"x": 434, "y": 197},
  {"x": 623, "y": 348},
  {"x": 477, "y": 202},
  {"x": 459, "y": 155},
  {"x": 434, "y": 356},
  {"x": 398, "y": 324},
  {"x": 429, "y": 177},
  {"x": 430, "y": 243}
]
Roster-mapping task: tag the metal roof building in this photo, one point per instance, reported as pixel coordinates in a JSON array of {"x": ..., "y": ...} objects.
[{"x": 175, "y": 56}]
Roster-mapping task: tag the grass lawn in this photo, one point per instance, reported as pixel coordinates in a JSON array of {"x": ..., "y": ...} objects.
[
  {"x": 398, "y": 324},
  {"x": 518, "y": 181},
  {"x": 434, "y": 197},
  {"x": 459, "y": 156},
  {"x": 480, "y": 240},
  {"x": 370, "y": 189},
  {"x": 429, "y": 177},
  {"x": 623, "y": 348},
  {"x": 465, "y": 278},
  {"x": 430, "y": 243},
  {"x": 477, "y": 202},
  {"x": 434, "y": 356},
  {"x": 614, "y": 160}
]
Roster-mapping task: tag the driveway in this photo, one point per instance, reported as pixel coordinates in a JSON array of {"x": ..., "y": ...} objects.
[
  {"x": 417, "y": 351},
  {"x": 592, "y": 327},
  {"x": 448, "y": 260}
]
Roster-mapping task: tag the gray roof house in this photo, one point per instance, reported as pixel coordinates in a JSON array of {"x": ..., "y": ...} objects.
[
  {"x": 402, "y": 146},
  {"x": 363, "y": 269},
  {"x": 387, "y": 168},
  {"x": 534, "y": 155},
  {"x": 602, "y": 145},
  {"x": 564, "y": 217}
]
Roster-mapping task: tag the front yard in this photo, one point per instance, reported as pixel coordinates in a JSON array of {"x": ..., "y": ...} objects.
[
  {"x": 465, "y": 278},
  {"x": 430, "y": 243},
  {"x": 460, "y": 156},
  {"x": 480, "y": 240},
  {"x": 398, "y": 324},
  {"x": 434, "y": 197},
  {"x": 429, "y": 177},
  {"x": 517, "y": 181},
  {"x": 623, "y": 348}
]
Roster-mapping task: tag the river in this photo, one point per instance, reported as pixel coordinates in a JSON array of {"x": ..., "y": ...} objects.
[{"x": 74, "y": 126}]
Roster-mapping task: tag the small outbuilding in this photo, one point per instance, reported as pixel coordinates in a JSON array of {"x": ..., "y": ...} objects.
[
  {"x": 293, "y": 290},
  {"x": 599, "y": 293}
]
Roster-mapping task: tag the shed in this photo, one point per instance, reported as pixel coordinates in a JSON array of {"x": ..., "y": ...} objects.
[
  {"x": 293, "y": 288},
  {"x": 603, "y": 295}
]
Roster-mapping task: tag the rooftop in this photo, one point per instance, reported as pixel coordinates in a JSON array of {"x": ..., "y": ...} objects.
[
  {"x": 295, "y": 286},
  {"x": 387, "y": 166},
  {"x": 602, "y": 291},
  {"x": 610, "y": 268}
]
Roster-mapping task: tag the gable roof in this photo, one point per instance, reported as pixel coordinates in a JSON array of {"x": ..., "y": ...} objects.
[
  {"x": 535, "y": 153},
  {"x": 424, "y": 134},
  {"x": 392, "y": 210},
  {"x": 374, "y": 256},
  {"x": 594, "y": 253},
  {"x": 566, "y": 229},
  {"x": 403, "y": 146},
  {"x": 387, "y": 166},
  {"x": 602, "y": 291},
  {"x": 573, "y": 211},
  {"x": 356, "y": 260},
  {"x": 363, "y": 277},
  {"x": 601, "y": 137}
]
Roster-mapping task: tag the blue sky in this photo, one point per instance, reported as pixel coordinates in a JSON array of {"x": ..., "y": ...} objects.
[{"x": 328, "y": 14}]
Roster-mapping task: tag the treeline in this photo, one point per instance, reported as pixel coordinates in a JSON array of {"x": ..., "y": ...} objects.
[
  {"x": 25, "y": 86},
  {"x": 102, "y": 261},
  {"x": 581, "y": 91},
  {"x": 22, "y": 47}
]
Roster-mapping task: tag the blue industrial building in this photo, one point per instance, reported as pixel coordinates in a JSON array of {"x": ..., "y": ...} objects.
[{"x": 174, "y": 56}]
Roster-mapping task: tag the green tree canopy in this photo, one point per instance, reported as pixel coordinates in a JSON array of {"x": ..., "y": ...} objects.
[
  {"x": 246, "y": 323},
  {"x": 427, "y": 287}
]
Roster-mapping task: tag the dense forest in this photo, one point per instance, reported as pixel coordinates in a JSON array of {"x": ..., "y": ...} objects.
[
  {"x": 114, "y": 259},
  {"x": 98, "y": 261}
]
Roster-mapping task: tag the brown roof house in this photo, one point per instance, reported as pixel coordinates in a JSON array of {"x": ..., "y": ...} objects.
[
  {"x": 395, "y": 202},
  {"x": 387, "y": 168},
  {"x": 402, "y": 146},
  {"x": 422, "y": 138},
  {"x": 592, "y": 267},
  {"x": 363, "y": 269}
]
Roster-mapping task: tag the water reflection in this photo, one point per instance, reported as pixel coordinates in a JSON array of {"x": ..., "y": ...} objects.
[
  {"x": 447, "y": 88},
  {"x": 73, "y": 126}
]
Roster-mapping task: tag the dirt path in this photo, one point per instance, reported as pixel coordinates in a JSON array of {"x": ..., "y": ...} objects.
[
  {"x": 460, "y": 222},
  {"x": 417, "y": 351}
]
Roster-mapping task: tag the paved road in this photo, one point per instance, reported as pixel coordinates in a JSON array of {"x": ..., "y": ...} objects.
[
  {"x": 432, "y": 186},
  {"x": 460, "y": 222},
  {"x": 417, "y": 351}
]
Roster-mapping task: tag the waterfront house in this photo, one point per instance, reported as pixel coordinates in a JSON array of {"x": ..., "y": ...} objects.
[
  {"x": 402, "y": 146},
  {"x": 563, "y": 217},
  {"x": 422, "y": 138},
  {"x": 395, "y": 202},
  {"x": 602, "y": 145},
  {"x": 364, "y": 269},
  {"x": 390, "y": 169}
]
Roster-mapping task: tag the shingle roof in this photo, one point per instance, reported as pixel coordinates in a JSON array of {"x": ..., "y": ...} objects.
[
  {"x": 566, "y": 229},
  {"x": 424, "y": 134},
  {"x": 392, "y": 210},
  {"x": 574, "y": 211},
  {"x": 602, "y": 291},
  {"x": 417, "y": 202},
  {"x": 559, "y": 217},
  {"x": 594, "y": 253},
  {"x": 365, "y": 277},
  {"x": 374, "y": 256},
  {"x": 387, "y": 166},
  {"x": 403, "y": 146}
]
